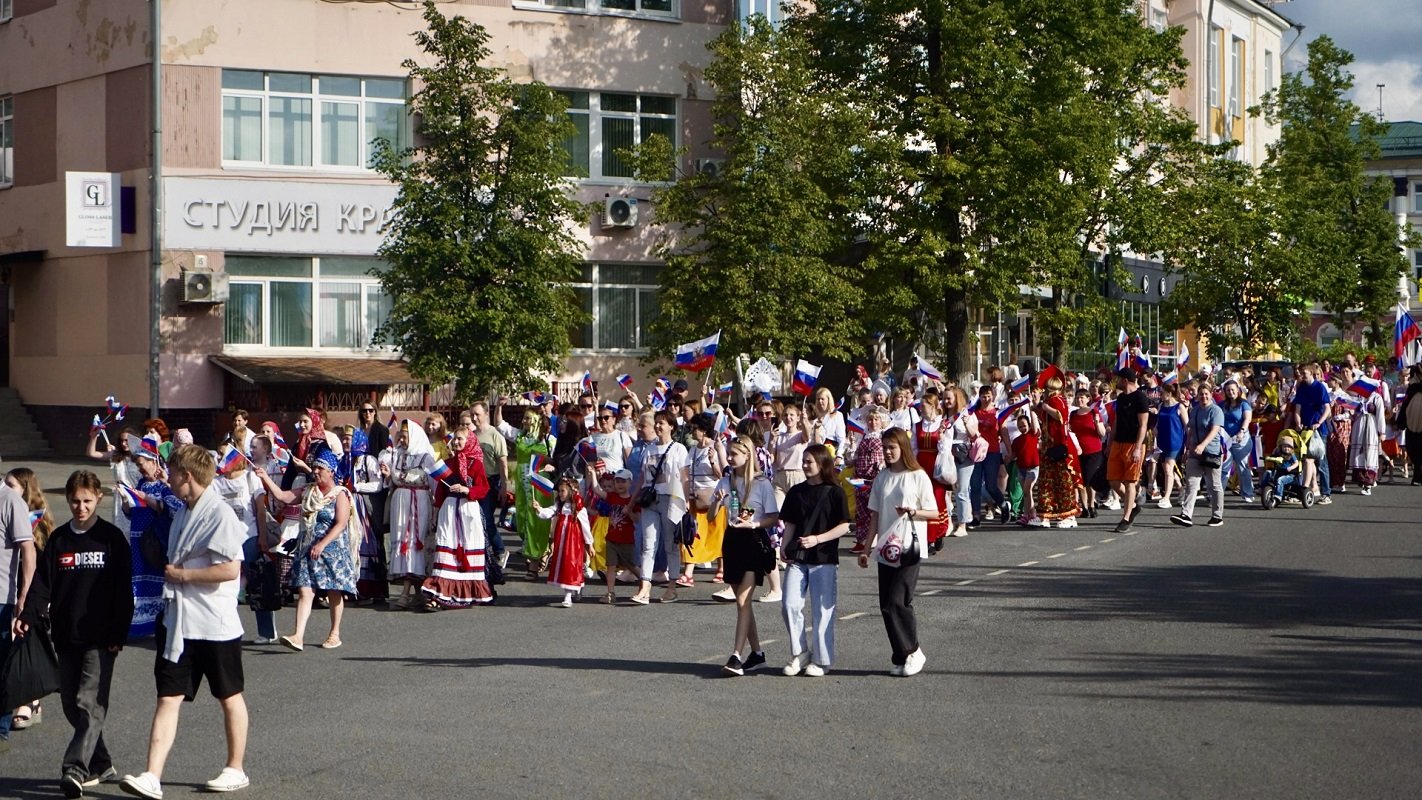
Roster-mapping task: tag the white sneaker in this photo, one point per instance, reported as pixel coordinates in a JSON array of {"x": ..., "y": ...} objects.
[
  {"x": 567, "y": 602},
  {"x": 228, "y": 780},
  {"x": 1325, "y": 501},
  {"x": 915, "y": 662},
  {"x": 769, "y": 597},
  {"x": 1069, "y": 522},
  {"x": 726, "y": 595},
  {"x": 1112, "y": 504},
  {"x": 143, "y": 785},
  {"x": 1251, "y": 500},
  {"x": 1367, "y": 491},
  {"x": 814, "y": 670},
  {"x": 796, "y": 665},
  {"x": 1163, "y": 502}
]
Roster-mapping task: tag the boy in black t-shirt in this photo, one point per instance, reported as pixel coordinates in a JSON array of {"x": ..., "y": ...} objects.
[
  {"x": 1123, "y": 466},
  {"x": 84, "y": 585}
]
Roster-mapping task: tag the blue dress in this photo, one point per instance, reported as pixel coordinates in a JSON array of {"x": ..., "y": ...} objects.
[
  {"x": 334, "y": 570},
  {"x": 1169, "y": 432},
  {"x": 148, "y": 578}
]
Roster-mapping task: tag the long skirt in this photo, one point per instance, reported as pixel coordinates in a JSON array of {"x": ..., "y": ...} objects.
[
  {"x": 1056, "y": 489},
  {"x": 567, "y": 554},
  {"x": 409, "y": 528},
  {"x": 457, "y": 578},
  {"x": 1364, "y": 449},
  {"x": 710, "y": 533},
  {"x": 372, "y": 582},
  {"x": 532, "y": 530},
  {"x": 1338, "y": 440}
]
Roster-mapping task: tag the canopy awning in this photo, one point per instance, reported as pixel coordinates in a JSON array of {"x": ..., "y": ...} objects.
[{"x": 339, "y": 371}]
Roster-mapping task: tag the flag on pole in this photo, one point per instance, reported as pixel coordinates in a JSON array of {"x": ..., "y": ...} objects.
[
  {"x": 1184, "y": 357},
  {"x": 394, "y": 420},
  {"x": 625, "y": 381},
  {"x": 137, "y": 498},
  {"x": 726, "y": 388},
  {"x": 610, "y": 405},
  {"x": 537, "y": 463},
  {"x": 440, "y": 471},
  {"x": 806, "y": 376},
  {"x": 113, "y": 404},
  {"x": 542, "y": 484},
  {"x": 698, "y": 355},
  {"x": 1121, "y": 354},
  {"x": 1364, "y": 386},
  {"x": 1139, "y": 359},
  {"x": 588, "y": 450},
  {"x": 1404, "y": 333},
  {"x": 723, "y": 423},
  {"x": 95, "y": 426},
  {"x": 230, "y": 461},
  {"x": 587, "y": 382},
  {"x": 1348, "y": 402},
  {"x": 121, "y": 412},
  {"x": 1020, "y": 385},
  {"x": 854, "y": 425},
  {"x": 1007, "y": 411},
  {"x": 929, "y": 371}
]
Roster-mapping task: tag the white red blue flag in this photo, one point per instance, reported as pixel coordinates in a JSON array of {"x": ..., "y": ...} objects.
[
  {"x": 440, "y": 471},
  {"x": 929, "y": 371},
  {"x": 1184, "y": 357},
  {"x": 698, "y": 355},
  {"x": 725, "y": 388},
  {"x": 36, "y": 516},
  {"x": 1011, "y": 407},
  {"x": 1020, "y": 385},
  {"x": 1121, "y": 354},
  {"x": 542, "y": 484},
  {"x": 1404, "y": 332},
  {"x": 854, "y": 425},
  {"x": 625, "y": 381},
  {"x": 1364, "y": 386},
  {"x": 230, "y": 461},
  {"x": 806, "y": 376},
  {"x": 1170, "y": 379},
  {"x": 587, "y": 382},
  {"x": 137, "y": 498}
]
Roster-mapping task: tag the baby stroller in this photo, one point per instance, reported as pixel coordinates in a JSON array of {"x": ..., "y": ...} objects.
[{"x": 1277, "y": 484}]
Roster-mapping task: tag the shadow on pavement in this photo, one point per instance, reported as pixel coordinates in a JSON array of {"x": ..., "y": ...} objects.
[{"x": 598, "y": 664}]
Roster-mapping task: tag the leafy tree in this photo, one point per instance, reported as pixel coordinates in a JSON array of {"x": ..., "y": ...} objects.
[
  {"x": 1335, "y": 218},
  {"x": 759, "y": 249},
  {"x": 480, "y": 242}
]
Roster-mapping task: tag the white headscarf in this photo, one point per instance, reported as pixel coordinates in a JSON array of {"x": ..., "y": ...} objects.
[{"x": 417, "y": 441}]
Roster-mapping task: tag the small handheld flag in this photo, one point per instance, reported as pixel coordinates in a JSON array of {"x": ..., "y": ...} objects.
[
  {"x": 394, "y": 420},
  {"x": 587, "y": 382},
  {"x": 1170, "y": 379},
  {"x": 121, "y": 412},
  {"x": 1184, "y": 357},
  {"x": 698, "y": 355},
  {"x": 230, "y": 461},
  {"x": 1007, "y": 411},
  {"x": 537, "y": 463},
  {"x": 1121, "y": 354},
  {"x": 138, "y": 499},
  {"x": 1364, "y": 386},
  {"x": 440, "y": 471},
  {"x": 610, "y": 405},
  {"x": 659, "y": 399},
  {"x": 806, "y": 376},
  {"x": 725, "y": 388},
  {"x": 113, "y": 403},
  {"x": 541, "y": 483},
  {"x": 625, "y": 381},
  {"x": 36, "y": 516},
  {"x": 857, "y": 483},
  {"x": 588, "y": 450},
  {"x": 1404, "y": 332},
  {"x": 1020, "y": 385},
  {"x": 929, "y": 371},
  {"x": 95, "y": 426},
  {"x": 1348, "y": 402},
  {"x": 854, "y": 425}
]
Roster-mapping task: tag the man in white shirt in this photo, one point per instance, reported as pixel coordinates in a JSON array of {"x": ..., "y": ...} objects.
[
  {"x": 17, "y": 570},
  {"x": 200, "y": 632}
]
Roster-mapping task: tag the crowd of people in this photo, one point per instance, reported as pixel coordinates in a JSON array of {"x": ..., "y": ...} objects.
[{"x": 643, "y": 490}]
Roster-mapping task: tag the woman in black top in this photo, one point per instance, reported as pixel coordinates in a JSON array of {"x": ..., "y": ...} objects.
[{"x": 815, "y": 515}]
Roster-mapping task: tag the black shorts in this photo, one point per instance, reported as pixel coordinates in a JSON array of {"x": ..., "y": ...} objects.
[
  {"x": 219, "y": 662},
  {"x": 741, "y": 555}
]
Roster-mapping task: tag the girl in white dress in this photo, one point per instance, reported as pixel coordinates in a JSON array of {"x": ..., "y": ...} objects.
[{"x": 406, "y": 468}]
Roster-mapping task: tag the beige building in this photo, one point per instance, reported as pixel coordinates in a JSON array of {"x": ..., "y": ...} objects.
[{"x": 270, "y": 216}]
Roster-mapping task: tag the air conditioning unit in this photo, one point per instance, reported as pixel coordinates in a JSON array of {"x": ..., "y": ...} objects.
[
  {"x": 204, "y": 287},
  {"x": 710, "y": 167},
  {"x": 619, "y": 212}
]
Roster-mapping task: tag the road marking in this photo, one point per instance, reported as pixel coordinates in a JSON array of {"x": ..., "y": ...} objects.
[
  {"x": 1083, "y": 547},
  {"x": 855, "y": 615},
  {"x": 1056, "y": 555},
  {"x": 929, "y": 593},
  {"x": 1029, "y": 564},
  {"x": 1132, "y": 533},
  {"x": 965, "y": 583},
  {"x": 999, "y": 572},
  {"x": 1106, "y": 541}
]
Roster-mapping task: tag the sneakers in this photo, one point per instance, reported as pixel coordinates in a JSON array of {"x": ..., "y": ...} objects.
[
  {"x": 1135, "y": 511},
  {"x": 1163, "y": 502},
  {"x": 228, "y": 780},
  {"x": 503, "y": 558},
  {"x": 896, "y": 670},
  {"x": 726, "y": 595},
  {"x": 72, "y": 784},
  {"x": 733, "y": 666},
  {"x": 769, "y": 597},
  {"x": 566, "y": 602},
  {"x": 754, "y": 661},
  {"x": 1111, "y": 503},
  {"x": 814, "y": 670},
  {"x": 1251, "y": 500},
  {"x": 914, "y": 664},
  {"x": 1214, "y": 522},
  {"x": 143, "y": 785},
  {"x": 974, "y": 524},
  {"x": 265, "y": 640},
  {"x": 1124, "y": 526},
  {"x": 1325, "y": 501},
  {"x": 107, "y": 776},
  {"x": 1006, "y": 513},
  {"x": 796, "y": 665},
  {"x": 1181, "y": 520},
  {"x": 1068, "y": 522},
  {"x": 1367, "y": 491}
]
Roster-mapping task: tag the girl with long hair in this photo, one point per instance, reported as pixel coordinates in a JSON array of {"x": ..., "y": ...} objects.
[
  {"x": 815, "y": 515},
  {"x": 746, "y": 557},
  {"x": 24, "y": 481}
]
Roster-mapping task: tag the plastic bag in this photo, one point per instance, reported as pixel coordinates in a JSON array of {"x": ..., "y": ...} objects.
[{"x": 31, "y": 669}]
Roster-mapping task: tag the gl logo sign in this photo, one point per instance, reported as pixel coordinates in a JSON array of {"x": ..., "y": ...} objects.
[{"x": 96, "y": 194}]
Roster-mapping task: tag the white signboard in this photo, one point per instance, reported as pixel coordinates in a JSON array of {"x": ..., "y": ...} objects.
[
  {"x": 91, "y": 209},
  {"x": 274, "y": 216}
]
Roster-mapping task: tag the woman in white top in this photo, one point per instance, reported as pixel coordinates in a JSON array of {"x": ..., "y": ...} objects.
[
  {"x": 745, "y": 552},
  {"x": 244, "y": 493},
  {"x": 960, "y": 432},
  {"x": 787, "y": 448},
  {"x": 406, "y": 466},
  {"x": 829, "y": 428},
  {"x": 902, "y": 414},
  {"x": 613, "y": 445},
  {"x": 665, "y": 469},
  {"x": 901, "y": 505}
]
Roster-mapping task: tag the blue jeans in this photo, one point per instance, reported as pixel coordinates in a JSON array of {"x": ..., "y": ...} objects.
[
  {"x": 486, "y": 505},
  {"x": 6, "y": 610},
  {"x": 1239, "y": 453},
  {"x": 820, "y": 583},
  {"x": 963, "y": 507},
  {"x": 1283, "y": 482},
  {"x": 1325, "y": 482},
  {"x": 985, "y": 481},
  {"x": 266, "y": 620},
  {"x": 656, "y": 528}
]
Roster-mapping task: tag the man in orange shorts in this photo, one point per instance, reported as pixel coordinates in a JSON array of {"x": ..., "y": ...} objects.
[{"x": 1123, "y": 465}]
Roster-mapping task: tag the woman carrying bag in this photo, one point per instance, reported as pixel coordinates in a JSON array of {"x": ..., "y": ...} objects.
[{"x": 900, "y": 506}]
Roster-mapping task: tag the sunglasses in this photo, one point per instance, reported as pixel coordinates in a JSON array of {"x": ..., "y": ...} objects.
[
  {"x": 367, "y": 411},
  {"x": 583, "y": 406},
  {"x": 605, "y": 418},
  {"x": 624, "y": 406}
]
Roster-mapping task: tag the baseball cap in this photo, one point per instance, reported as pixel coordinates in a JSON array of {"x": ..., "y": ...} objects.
[{"x": 622, "y": 475}]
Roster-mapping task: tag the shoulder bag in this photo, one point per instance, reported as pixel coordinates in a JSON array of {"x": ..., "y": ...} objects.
[{"x": 648, "y": 496}]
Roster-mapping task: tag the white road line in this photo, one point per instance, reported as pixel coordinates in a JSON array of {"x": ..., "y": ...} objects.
[
  {"x": 1083, "y": 547},
  {"x": 929, "y": 593},
  {"x": 1056, "y": 555},
  {"x": 855, "y": 615},
  {"x": 1132, "y": 533},
  {"x": 999, "y": 572},
  {"x": 1106, "y": 541},
  {"x": 1029, "y": 564},
  {"x": 965, "y": 583}
]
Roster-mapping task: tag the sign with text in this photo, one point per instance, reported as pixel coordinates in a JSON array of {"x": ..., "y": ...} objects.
[
  {"x": 275, "y": 216},
  {"x": 91, "y": 209}
]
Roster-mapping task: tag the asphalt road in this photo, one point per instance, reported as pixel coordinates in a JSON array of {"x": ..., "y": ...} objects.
[{"x": 1279, "y": 656}]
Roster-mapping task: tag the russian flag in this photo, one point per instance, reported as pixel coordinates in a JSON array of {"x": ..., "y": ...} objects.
[
  {"x": 806, "y": 375},
  {"x": 1007, "y": 411},
  {"x": 659, "y": 398},
  {"x": 663, "y": 383},
  {"x": 230, "y": 461},
  {"x": 857, "y": 483},
  {"x": 929, "y": 371},
  {"x": 1364, "y": 386},
  {"x": 542, "y": 484},
  {"x": 625, "y": 381},
  {"x": 1345, "y": 400},
  {"x": 1184, "y": 357},
  {"x": 1121, "y": 354},
  {"x": 36, "y": 516},
  {"x": 725, "y": 388},
  {"x": 587, "y": 382},
  {"x": 610, "y": 405},
  {"x": 854, "y": 425},
  {"x": 121, "y": 412},
  {"x": 150, "y": 445},
  {"x": 1169, "y": 379},
  {"x": 394, "y": 420},
  {"x": 1141, "y": 361},
  {"x": 1404, "y": 333},
  {"x": 95, "y": 426},
  {"x": 587, "y": 450},
  {"x": 1020, "y": 385},
  {"x": 537, "y": 463},
  {"x": 698, "y": 355},
  {"x": 112, "y": 403},
  {"x": 723, "y": 423},
  {"x": 138, "y": 499},
  {"x": 440, "y": 471}
]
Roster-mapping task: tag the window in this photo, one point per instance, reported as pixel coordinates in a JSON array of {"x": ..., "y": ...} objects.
[
  {"x": 1236, "y": 76},
  {"x": 1416, "y": 187},
  {"x": 7, "y": 10},
  {"x": 607, "y": 122},
  {"x": 1213, "y": 71},
  {"x": 1329, "y": 335},
  {"x": 621, "y": 301},
  {"x": 303, "y": 302},
  {"x": 661, "y": 8},
  {"x": 1417, "y": 266},
  {"x": 1158, "y": 19},
  {"x": 291, "y": 119},
  {"x": 1268, "y": 70},
  {"x": 7, "y": 140}
]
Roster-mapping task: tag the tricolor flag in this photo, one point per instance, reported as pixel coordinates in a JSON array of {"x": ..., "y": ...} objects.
[
  {"x": 588, "y": 450},
  {"x": 725, "y": 388},
  {"x": 112, "y": 403},
  {"x": 664, "y": 383},
  {"x": 806, "y": 375},
  {"x": 625, "y": 381},
  {"x": 1019, "y": 385},
  {"x": 1140, "y": 360},
  {"x": 137, "y": 498},
  {"x": 1171, "y": 378},
  {"x": 853, "y": 424},
  {"x": 36, "y": 516},
  {"x": 1364, "y": 386},
  {"x": 1404, "y": 332},
  {"x": 150, "y": 445},
  {"x": 929, "y": 371},
  {"x": 440, "y": 471},
  {"x": 587, "y": 382},
  {"x": 1007, "y": 411},
  {"x": 698, "y": 355},
  {"x": 542, "y": 484},
  {"x": 394, "y": 420},
  {"x": 230, "y": 461},
  {"x": 1184, "y": 357},
  {"x": 95, "y": 426},
  {"x": 1121, "y": 354},
  {"x": 610, "y": 405},
  {"x": 121, "y": 412},
  {"x": 857, "y": 483},
  {"x": 1345, "y": 400},
  {"x": 723, "y": 423},
  {"x": 659, "y": 398},
  {"x": 537, "y": 463}
]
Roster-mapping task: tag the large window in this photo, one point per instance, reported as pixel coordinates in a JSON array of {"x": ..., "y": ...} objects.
[
  {"x": 1268, "y": 70},
  {"x": 621, "y": 302},
  {"x": 607, "y": 122},
  {"x": 1212, "y": 73},
  {"x": 1416, "y": 187},
  {"x": 7, "y": 10},
  {"x": 1236, "y": 77},
  {"x": 303, "y": 302},
  {"x": 7, "y": 140},
  {"x": 291, "y": 119},
  {"x": 659, "y": 8}
]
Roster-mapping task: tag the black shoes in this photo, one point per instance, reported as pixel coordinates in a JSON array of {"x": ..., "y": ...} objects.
[
  {"x": 1215, "y": 522},
  {"x": 754, "y": 661},
  {"x": 1182, "y": 520},
  {"x": 733, "y": 666}
]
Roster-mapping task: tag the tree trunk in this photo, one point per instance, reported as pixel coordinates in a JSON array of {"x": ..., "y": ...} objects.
[{"x": 958, "y": 345}]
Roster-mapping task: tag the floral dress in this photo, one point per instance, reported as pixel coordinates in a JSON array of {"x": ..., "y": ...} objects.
[
  {"x": 868, "y": 460},
  {"x": 335, "y": 569}
]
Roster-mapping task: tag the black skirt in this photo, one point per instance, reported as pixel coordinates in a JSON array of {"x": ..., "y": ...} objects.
[{"x": 742, "y": 553}]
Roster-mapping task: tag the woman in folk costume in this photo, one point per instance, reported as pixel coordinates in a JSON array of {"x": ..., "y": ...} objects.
[
  {"x": 930, "y": 449},
  {"x": 360, "y": 474},
  {"x": 406, "y": 467},
  {"x": 1369, "y": 425},
  {"x": 326, "y": 557},
  {"x": 153, "y": 514},
  {"x": 457, "y": 578},
  {"x": 569, "y": 541},
  {"x": 532, "y": 440}
]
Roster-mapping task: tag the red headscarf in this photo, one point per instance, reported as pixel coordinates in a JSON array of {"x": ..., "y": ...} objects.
[{"x": 466, "y": 468}]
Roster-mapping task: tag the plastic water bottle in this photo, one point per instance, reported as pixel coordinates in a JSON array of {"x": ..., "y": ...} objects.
[{"x": 733, "y": 508}]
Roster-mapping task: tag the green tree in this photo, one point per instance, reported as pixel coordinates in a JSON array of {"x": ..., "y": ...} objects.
[
  {"x": 479, "y": 242},
  {"x": 759, "y": 250},
  {"x": 1335, "y": 217}
]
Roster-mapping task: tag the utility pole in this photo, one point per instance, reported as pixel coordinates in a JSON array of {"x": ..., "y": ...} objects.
[{"x": 1381, "y": 86}]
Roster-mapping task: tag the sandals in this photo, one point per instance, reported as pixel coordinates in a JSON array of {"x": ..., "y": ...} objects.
[
  {"x": 686, "y": 580},
  {"x": 609, "y": 598},
  {"x": 331, "y": 643},
  {"x": 27, "y": 716},
  {"x": 640, "y": 600}
]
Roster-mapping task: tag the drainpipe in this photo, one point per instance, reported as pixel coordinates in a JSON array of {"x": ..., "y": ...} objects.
[{"x": 155, "y": 207}]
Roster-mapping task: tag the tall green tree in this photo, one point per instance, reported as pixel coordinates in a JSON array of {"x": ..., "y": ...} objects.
[
  {"x": 479, "y": 244},
  {"x": 759, "y": 250},
  {"x": 1334, "y": 217}
]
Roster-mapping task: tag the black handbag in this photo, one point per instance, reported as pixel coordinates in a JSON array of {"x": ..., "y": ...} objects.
[
  {"x": 1209, "y": 461},
  {"x": 31, "y": 669},
  {"x": 1056, "y": 453},
  {"x": 264, "y": 585},
  {"x": 648, "y": 496}
]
